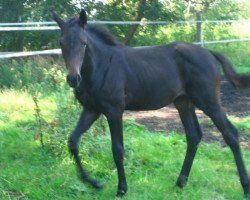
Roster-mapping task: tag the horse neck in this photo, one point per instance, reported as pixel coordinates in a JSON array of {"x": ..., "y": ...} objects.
[
  {"x": 93, "y": 59},
  {"x": 96, "y": 53},
  {"x": 96, "y": 48}
]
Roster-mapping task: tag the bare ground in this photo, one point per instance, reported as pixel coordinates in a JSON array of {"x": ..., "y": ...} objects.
[{"x": 235, "y": 102}]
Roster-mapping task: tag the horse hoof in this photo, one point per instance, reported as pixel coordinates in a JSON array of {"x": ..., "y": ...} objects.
[
  {"x": 182, "y": 181},
  {"x": 247, "y": 195},
  {"x": 96, "y": 184},
  {"x": 247, "y": 192},
  {"x": 121, "y": 193}
]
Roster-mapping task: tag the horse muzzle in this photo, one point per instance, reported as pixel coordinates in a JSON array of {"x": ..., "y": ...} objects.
[{"x": 74, "y": 81}]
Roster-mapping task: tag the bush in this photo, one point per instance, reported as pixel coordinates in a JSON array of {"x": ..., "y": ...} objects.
[
  {"x": 237, "y": 52},
  {"x": 32, "y": 73}
]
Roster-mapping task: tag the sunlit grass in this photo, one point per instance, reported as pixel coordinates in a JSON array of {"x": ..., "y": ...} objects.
[
  {"x": 152, "y": 161},
  {"x": 241, "y": 122},
  {"x": 19, "y": 106}
]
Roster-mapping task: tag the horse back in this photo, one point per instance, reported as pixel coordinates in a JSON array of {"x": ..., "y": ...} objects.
[
  {"x": 152, "y": 77},
  {"x": 157, "y": 75}
]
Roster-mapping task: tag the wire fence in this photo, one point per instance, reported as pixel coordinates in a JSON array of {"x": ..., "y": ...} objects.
[{"x": 44, "y": 26}]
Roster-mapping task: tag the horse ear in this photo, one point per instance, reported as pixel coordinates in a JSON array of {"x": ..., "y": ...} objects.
[
  {"x": 58, "y": 20},
  {"x": 83, "y": 18}
]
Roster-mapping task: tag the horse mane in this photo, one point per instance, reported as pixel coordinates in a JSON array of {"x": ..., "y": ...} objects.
[
  {"x": 99, "y": 31},
  {"x": 72, "y": 21},
  {"x": 103, "y": 33}
]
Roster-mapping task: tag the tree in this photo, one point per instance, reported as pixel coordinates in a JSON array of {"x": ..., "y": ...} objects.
[
  {"x": 12, "y": 12},
  {"x": 113, "y": 10},
  {"x": 214, "y": 9},
  {"x": 139, "y": 16},
  {"x": 128, "y": 10},
  {"x": 30, "y": 10}
]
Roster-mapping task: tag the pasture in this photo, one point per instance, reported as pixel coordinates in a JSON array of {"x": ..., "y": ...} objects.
[{"x": 152, "y": 160}]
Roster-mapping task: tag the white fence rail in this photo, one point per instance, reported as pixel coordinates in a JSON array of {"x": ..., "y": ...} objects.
[
  {"x": 29, "y": 28},
  {"x": 58, "y": 51},
  {"x": 29, "y": 53},
  {"x": 42, "y": 26},
  {"x": 143, "y": 22}
]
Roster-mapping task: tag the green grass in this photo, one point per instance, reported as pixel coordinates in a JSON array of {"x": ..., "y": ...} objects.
[
  {"x": 243, "y": 123},
  {"x": 152, "y": 160}
]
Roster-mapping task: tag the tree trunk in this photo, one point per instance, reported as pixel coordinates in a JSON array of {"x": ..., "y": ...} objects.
[{"x": 133, "y": 28}]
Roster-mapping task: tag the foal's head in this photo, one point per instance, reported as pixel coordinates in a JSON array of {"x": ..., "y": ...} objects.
[{"x": 73, "y": 43}]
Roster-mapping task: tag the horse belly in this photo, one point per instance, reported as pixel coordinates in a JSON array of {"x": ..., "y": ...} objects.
[
  {"x": 154, "y": 99},
  {"x": 153, "y": 84}
]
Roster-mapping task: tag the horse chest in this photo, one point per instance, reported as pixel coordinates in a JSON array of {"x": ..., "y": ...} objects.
[
  {"x": 97, "y": 100},
  {"x": 86, "y": 98}
]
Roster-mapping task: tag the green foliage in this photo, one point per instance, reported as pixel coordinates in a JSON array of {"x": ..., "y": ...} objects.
[
  {"x": 35, "y": 10},
  {"x": 238, "y": 54},
  {"x": 226, "y": 9},
  {"x": 34, "y": 74},
  {"x": 31, "y": 10}
]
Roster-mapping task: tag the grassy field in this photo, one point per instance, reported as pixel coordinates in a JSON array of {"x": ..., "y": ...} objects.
[
  {"x": 35, "y": 102},
  {"x": 152, "y": 160}
]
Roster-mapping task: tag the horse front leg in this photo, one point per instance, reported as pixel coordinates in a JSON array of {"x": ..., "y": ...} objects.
[
  {"x": 86, "y": 119},
  {"x": 116, "y": 129}
]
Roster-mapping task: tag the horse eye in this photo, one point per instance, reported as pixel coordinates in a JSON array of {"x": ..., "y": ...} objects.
[
  {"x": 60, "y": 42},
  {"x": 83, "y": 42}
]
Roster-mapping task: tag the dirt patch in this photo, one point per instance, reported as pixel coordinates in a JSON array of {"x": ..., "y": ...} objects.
[{"x": 235, "y": 102}]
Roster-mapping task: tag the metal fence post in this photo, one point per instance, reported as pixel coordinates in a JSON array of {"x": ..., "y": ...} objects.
[{"x": 199, "y": 33}]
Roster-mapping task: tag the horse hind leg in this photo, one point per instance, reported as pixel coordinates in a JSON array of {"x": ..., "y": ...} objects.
[
  {"x": 193, "y": 136},
  {"x": 230, "y": 136}
]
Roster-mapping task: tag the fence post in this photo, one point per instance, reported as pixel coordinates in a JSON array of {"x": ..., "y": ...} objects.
[{"x": 199, "y": 34}]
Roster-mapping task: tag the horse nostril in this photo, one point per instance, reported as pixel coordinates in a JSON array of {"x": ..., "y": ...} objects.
[
  {"x": 78, "y": 79},
  {"x": 74, "y": 81}
]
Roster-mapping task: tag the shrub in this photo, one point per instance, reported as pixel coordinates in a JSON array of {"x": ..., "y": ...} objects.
[{"x": 35, "y": 73}]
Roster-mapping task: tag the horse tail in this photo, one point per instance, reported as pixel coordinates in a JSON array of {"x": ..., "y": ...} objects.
[{"x": 237, "y": 80}]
